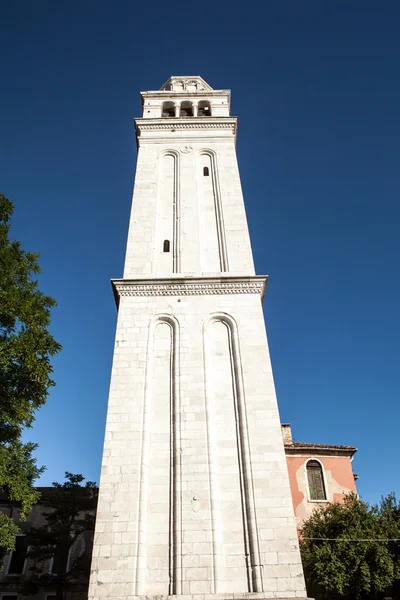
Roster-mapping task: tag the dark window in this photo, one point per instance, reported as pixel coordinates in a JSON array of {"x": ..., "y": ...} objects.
[
  {"x": 168, "y": 109},
  {"x": 186, "y": 109},
  {"x": 51, "y": 597},
  {"x": 315, "y": 480},
  {"x": 204, "y": 109},
  {"x": 166, "y": 246},
  {"x": 206, "y": 171},
  {"x": 18, "y": 556},
  {"x": 9, "y": 597},
  {"x": 60, "y": 560}
]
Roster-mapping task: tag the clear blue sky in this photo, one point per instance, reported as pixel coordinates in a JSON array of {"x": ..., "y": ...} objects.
[{"x": 317, "y": 90}]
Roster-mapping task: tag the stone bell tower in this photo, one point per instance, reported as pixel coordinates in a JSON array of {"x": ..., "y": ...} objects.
[{"x": 194, "y": 492}]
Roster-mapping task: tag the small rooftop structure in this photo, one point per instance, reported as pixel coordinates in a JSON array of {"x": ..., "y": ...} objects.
[
  {"x": 292, "y": 447},
  {"x": 186, "y": 83}
]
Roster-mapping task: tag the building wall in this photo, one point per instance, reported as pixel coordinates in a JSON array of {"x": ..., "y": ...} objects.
[
  {"x": 11, "y": 584},
  {"x": 122, "y": 521},
  {"x": 203, "y": 218},
  {"x": 338, "y": 478}
]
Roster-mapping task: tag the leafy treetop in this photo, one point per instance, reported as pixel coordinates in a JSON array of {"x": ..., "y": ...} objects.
[
  {"x": 356, "y": 561},
  {"x": 26, "y": 347}
]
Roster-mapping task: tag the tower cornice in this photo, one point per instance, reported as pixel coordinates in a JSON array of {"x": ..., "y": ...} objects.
[
  {"x": 184, "y": 94},
  {"x": 190, "y": 286},
  {"x": 177, "y": 124}
]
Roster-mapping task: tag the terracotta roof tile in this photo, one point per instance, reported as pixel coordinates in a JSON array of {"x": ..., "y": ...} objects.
[{"x": 319, "y": 446}]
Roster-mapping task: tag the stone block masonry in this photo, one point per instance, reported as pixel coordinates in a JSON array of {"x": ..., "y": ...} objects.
[{"x": 194, "y": 493}]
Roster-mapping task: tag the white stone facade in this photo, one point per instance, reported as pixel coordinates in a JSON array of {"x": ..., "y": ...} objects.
[{"x": 194, "y": 493}]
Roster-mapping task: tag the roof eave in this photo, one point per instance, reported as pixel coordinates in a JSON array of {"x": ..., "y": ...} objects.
[{"x": 320, "y": 450}]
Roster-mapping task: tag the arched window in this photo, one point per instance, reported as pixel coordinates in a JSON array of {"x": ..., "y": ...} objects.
[
  {"x": 186, "y": 109},
  {"x": 315, "y": 479},
  {"x": 166, "y": 246},
  {"x": 168, "y": 109},
  {"x": 206, "y": 171},
  {"x": 204, "y": 109}
]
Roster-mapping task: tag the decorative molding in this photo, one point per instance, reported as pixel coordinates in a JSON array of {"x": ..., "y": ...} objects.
[
  {"x": 173, "y": 287},
  {"x": 172, "y": 124},
  {"x": 195, "y": 82},
  {"x": 187, "y": 149}
]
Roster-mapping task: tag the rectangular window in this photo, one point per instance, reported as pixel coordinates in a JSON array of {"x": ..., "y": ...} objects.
[
  {"x": 9, "y": 597},
  {"x": 18, "y": 556},
  {"x": 60, "y": 561}
]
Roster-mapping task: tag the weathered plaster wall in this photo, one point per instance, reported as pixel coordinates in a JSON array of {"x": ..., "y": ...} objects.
[{"x": 339, "y": 480}]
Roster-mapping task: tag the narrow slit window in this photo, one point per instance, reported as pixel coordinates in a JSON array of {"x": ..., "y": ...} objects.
[
  {"x": 166, "y": 246},
  {"x": 206, "y": 171},
  {"x": 315, "y": 478}
]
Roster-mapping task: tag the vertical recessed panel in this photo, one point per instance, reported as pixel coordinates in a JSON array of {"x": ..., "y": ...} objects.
[
  {"x": 209, "y": 243},
  {"x": 229, "y": 536},
  {"x": 166, "y": 215},
  {"x": 154, "y": 539},
  {"x": 158, "y": 503}
]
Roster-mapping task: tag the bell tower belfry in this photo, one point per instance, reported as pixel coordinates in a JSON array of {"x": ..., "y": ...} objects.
[{"x": 194, "y": 492}]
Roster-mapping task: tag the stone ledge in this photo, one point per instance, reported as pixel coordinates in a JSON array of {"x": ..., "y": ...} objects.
[
  {"x": 234, "y": 596},
  {"x": 186, "y": 123},
  {"x": 189, "y": 286},
  {"x": 147, "y": 127}
]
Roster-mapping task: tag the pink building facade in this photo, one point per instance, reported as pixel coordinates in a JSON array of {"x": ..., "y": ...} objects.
[{"x": 318, "y": 474}]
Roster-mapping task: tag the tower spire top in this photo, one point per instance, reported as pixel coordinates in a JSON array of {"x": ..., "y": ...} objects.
[{"x": 185, "y": 83}]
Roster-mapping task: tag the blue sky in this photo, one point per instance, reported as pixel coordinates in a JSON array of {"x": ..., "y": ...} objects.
[{"x": 316, "y": 87}]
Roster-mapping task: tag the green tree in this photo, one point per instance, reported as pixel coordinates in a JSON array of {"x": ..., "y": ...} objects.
[
  {"x": 71, "y": 515},
  {"x": 26, "y": 347},
  {"x": 338, "y": 568}
]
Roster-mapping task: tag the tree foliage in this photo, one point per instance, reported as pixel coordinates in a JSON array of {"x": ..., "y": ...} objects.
[
  {"x": 26, "y": 347},
  {"x": 71, "y": 513},
  {"x": 340, "y": 569}
]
